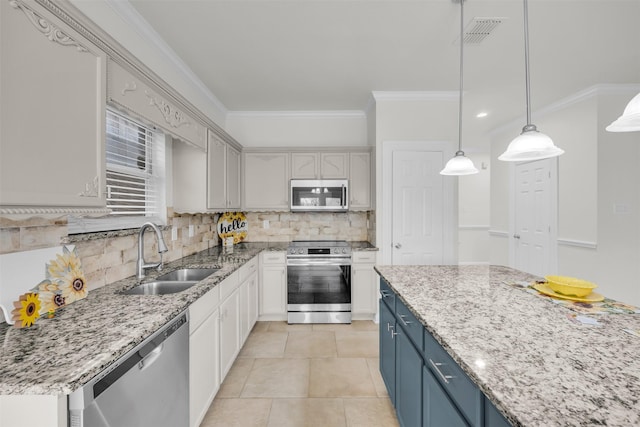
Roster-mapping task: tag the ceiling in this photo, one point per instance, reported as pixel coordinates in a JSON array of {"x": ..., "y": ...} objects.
[{"x": 307, "y": 55}]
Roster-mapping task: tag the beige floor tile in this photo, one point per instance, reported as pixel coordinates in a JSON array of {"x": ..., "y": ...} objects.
[
  {"x": 356, "y": 325},
  {"x": 264, "y": 344},
  {"x": 285, "y": 327},
  {"x": 376, "y": 412},
  {"x": 311, "y": 344},
  {"x": 278, "y": 378},
  {"x": 307, "y": 413},
  {"x": 237, "y": 413},
  {"x": 357, "y": 344},
  {"x": 236, "y": 378},
  {"x": 260, "y": 327},
  {"x": 378, "y": 382},
  {"x": 335, "y": 377}
]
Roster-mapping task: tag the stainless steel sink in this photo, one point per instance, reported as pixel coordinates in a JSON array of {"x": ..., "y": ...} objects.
[
  {"x": 188, "y": 274},
  {"x": 161, "y": 287}
]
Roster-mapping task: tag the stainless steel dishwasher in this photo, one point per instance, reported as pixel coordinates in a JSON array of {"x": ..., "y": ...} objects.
[{"x": 147, "y": 387}]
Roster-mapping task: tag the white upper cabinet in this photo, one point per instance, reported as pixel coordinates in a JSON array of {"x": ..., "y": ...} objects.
[
  {"x": 132, "y": 94},
  {"x": 266, "y": 181},
  {"x": 360, "y": 181},
  {"x": 52, "y": 89},
  {"x": 304, "y": 165},
  {"x": 223, "y": 175},
  {"x": 334, "y": 165}
]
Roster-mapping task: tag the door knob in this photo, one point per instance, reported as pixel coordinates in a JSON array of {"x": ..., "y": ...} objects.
[
  {"x": 516, "y": 236},
  {"x": 397, "y": 246}
]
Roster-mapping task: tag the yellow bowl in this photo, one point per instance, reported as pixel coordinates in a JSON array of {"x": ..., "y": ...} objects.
[{"x": 570, "y": 286}]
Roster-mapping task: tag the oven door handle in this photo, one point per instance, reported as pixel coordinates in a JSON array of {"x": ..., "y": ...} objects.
[{"x": 318, "y": 261}]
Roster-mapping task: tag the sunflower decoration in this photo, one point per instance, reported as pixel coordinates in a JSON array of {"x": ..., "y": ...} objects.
[
  {"x": 51, "y": 296},
  {"x": 66, "y": 270},
  {"x": 26, "y": 311},
  {"x": 233, "y": 224}
]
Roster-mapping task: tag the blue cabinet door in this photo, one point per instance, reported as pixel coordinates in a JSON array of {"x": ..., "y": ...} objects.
[
  {"x": 493, "y": 418},
  {"x": 388, "y": 350},
  {"x": 408, "y": 381},
  {"x": 438, "y": 411}
]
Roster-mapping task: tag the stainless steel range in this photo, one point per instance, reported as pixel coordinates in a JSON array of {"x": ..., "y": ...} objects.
[{"x": 319, "y": 281}]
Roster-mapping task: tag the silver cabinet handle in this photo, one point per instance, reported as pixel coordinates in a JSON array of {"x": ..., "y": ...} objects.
[
  {"x": 384, "y": 293},
  {"x": 406, "y": 323},
  {"x": 444, "y": 377},
  {"x": 397, "y": 246}
]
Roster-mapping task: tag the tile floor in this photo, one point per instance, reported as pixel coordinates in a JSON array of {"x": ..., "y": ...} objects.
[{"x": 305, "y": 376}]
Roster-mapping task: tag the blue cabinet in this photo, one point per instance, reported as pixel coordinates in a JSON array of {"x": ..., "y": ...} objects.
[
  {"x": 438, "y": 410},
  {"x": 388, "y": 350},
  {"x": 426, "y": 386},
  {"x": 408, "y": 384}
]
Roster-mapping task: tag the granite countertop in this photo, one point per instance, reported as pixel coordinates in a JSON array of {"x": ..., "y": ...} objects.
[
  {"x": 362, "y": 246},
  {"x": 57, "y": 356},
  {"x": 537, "y": 366}
]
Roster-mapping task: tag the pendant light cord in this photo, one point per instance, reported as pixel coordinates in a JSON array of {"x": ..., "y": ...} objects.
[
  {"x": 526, "y": 64},
  {"x": 461, "y": 80}
]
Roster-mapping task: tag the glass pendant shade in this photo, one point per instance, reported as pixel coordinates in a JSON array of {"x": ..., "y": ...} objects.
[
  {"x": 629, "y": 121},
  {"x": 459, "y": 165},
  {"x": 530, "y": 145}
]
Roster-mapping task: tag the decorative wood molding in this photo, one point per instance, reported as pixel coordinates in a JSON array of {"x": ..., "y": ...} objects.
[
  {"x": 498, "y": 233},
  {"x": 577, "y": 243},
  {"x": 53, "y": 210},
  {"x": 172, "y": 116},
  {"x": 129, "y": 87},
  {"x": 91, "y": 188},
  {"x": 50, "y": 31}
]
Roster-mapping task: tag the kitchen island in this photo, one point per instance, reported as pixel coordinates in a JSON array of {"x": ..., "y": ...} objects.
[{"x": 525, "y": 353}]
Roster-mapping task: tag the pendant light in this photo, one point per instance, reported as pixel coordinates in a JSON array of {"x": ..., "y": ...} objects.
[
  {"x": 629, "y": 121},
  {"x": 460, "y": 164},
  {"x": 530, "y": 144}
]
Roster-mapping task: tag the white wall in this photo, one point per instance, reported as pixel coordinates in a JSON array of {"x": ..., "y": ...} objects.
[
  {"x": 598, "y": 190},
  {"x": 298, "y": 129},
  {"x": 473, "y": 212}
]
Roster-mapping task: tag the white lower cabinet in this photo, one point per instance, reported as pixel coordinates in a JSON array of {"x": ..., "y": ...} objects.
[
  {"x": 204, "y": 354},
  {"x": 248, "y": 297},
  {"x": 273, "y": 286},
  {"x": 364, "y": 285},
  {"x": 229, "y": 332}
]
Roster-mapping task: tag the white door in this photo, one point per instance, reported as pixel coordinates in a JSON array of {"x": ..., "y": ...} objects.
[
  {"x": 533, "y": 222},
  {"x": 418, "y": 207}
]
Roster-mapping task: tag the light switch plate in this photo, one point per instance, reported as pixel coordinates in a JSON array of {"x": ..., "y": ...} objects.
[
  {"x": 265, "y": 223},
  {"x": 192, "y": 231},
  {"x": 174, "y": 233}
]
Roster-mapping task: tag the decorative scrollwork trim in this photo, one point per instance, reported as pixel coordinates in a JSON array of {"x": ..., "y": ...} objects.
[
  {"x": 50, "y": 31},
  {"x": 129, "y": 87},
  {"x": 174, "y": 117},
  {"x": 91, "y": 188}
]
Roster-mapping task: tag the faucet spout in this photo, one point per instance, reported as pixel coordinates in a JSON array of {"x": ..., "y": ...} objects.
[{"x": 141, "y": 264}]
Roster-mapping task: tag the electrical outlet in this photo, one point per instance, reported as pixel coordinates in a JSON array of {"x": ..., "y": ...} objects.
[
  {"x": 192, "y": 230},
  {"x": 174, "y": 233},
  {"x": 265, "y": 223}
]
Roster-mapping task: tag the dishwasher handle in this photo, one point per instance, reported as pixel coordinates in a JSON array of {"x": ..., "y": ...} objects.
[{"x": 151, "y": 357}]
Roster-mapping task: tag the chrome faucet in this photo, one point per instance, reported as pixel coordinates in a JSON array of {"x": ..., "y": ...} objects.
[{"x": 141, "y": 265}]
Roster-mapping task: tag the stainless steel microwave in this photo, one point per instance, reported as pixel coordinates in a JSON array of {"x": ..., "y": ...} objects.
[{"x": 323, "y": 195}]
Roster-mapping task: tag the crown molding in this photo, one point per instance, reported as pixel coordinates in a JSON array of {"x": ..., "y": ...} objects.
[
  {"x": 319, "y": 114},
  {"x": 580, "y": 96},
  {"x": 132, "y": 17}
]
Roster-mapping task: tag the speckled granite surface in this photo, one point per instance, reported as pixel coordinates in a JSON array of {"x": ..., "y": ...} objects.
[
  {"x": 362, "y": 246},
  {"x": 57, "y": 356},
  {"x": 536, "y": 365}
]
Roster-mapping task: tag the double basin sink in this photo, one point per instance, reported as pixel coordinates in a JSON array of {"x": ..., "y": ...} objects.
[{"x": 173, "y": 282}]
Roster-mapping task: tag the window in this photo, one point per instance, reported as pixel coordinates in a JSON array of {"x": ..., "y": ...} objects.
[{"x": 135, "y": 178}]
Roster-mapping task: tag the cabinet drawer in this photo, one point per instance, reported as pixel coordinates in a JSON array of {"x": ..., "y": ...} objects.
[
  {"x": 248, "y": 269},
  {"x": 363, "y": 257},
  {"x": 409, "y": 323},
  {"x": 462, "y": 391},
  {"x": 387, "y": 295},
  {"x": 273, "y": 257},
  {"x": 203, "y": 307}
]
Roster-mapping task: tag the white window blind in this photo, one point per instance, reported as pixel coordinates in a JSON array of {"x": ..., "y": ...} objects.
[
  {"x": 135, "y": 178},
  {"x": 131, "y": 187}
]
